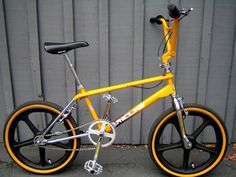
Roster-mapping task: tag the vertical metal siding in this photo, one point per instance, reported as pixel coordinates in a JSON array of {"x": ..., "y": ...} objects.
[
  {"x": 6, "y": 103},
  {"x": 123, "y": 47},
  {"x": 121, "y": 36},
  {"x": 222, "y": 56}
]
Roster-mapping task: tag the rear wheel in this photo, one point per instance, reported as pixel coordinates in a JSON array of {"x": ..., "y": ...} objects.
[
  {"x": 208, "y": 136},
  {"x": 30, "y": 120}
]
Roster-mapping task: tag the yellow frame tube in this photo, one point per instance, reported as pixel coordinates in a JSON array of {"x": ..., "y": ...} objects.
[
  {"x": 121, "y": 86},
  {"x": 165, "y": 91},
  {"x": 89, "y": 104},
  {"x": 166, "y": 30}
]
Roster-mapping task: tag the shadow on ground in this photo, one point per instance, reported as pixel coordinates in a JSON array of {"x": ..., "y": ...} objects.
[{"x": 125, "y": 161}]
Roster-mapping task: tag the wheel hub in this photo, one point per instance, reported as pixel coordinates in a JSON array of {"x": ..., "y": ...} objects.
[
  {"x": 192, "y": 141},
  {"x": 40, "y": 140}
]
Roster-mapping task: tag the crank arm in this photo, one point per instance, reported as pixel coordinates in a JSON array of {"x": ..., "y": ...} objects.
[
  {"x": 92, "y": 166},
  {"x": 97, "y": 149}
]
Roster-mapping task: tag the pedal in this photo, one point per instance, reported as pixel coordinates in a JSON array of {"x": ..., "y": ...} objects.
[
  {"x": 93, "y": 167},
  {"x": 110, "y": 98}
]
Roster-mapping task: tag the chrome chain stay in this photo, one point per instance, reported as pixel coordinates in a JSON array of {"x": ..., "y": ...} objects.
[
  {"x": 62, "y": 149},
  {"x": 105, "y": 117},
  {"x": 64, "y": 132}
]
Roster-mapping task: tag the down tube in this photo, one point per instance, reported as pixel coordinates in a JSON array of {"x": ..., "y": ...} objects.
[{"x": 164, "y": 92}]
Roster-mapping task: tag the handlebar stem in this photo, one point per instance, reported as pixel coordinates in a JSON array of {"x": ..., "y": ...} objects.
[{"x": 174, "y": 34}]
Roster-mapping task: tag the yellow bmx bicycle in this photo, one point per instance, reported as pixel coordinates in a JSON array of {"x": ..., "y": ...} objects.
[{"x": 52, "y": 145}]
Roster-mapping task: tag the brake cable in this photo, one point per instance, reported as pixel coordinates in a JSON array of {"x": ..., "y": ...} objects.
[{"x": 184, "y": 13}]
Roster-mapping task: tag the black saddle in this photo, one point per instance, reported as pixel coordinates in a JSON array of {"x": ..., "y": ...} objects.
[{"x": 59, "y": 48}]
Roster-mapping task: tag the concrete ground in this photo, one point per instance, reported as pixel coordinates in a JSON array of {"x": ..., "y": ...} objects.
[{"x": 125, "y": 161}]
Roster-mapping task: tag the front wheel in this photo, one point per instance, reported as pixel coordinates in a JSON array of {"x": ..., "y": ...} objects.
[
  {"x": 29, "y": 121},
  {"x": 207, "y": 134}
]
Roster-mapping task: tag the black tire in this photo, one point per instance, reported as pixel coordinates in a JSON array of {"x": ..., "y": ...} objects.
[
  {"x": 28, "y": 121},
  {"x": 206, "y": 153}
]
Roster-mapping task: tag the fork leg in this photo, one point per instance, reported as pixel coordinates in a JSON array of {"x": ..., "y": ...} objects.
[{"x": 178, "y": 104}]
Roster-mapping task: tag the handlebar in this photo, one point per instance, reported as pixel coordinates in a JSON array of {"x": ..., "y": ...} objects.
[
  {"x": 174, "y": 13},
  {"x": 156, "y": 19},
  {"x": 170, "y": 32}
]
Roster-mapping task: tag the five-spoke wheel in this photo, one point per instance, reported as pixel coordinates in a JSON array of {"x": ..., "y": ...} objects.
[
  {"x": 28, "y": 122},
  {"x": 207, "y": 135}
]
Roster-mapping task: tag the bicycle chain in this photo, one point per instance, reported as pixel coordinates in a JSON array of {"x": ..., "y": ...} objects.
[
  {"x": 62, "y": 149},
  {"x": 67, "y": 131},
  {"x": 64, "y": 132}
]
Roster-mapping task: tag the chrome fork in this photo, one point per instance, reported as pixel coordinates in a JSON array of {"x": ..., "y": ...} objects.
[{"x": 178, "y": 105}]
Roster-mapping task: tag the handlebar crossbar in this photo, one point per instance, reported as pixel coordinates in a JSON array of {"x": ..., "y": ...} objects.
[{"x": 170, "y": 32}]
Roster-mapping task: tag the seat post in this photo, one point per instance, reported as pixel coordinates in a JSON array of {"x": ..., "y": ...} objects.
[
  {"x": 81, "y": 89},
  {"x": 79, "y": 84}
]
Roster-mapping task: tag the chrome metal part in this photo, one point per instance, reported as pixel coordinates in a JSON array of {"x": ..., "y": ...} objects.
[
  {"x": 185, "y": 13},
  {"x": 64, "y": 149},
  {"x": 110, "y": 98},
  {"x": 62, "y": 139},
  {"x": 93, "y": 167},
  {"x": 58, "y": 117},
  {"x": 66, "y": 138},
  {"x": 178, "y": 104},
  {"x": 107, "y": 110},
  {"x": 74, "y": 72},
  {"x": 50, "y": 161},
  {"x": 187, "y": 143},
  {"x": 181, "y": 105},
  {"x": 94, "y": 133},
  {"x": 64, "y": 115},
  {"x": 192, "y": 165},
  {"x": 40, "y": 140},
  {"x": 166, "y": 67},
  {"x": 67, "y": 131}
]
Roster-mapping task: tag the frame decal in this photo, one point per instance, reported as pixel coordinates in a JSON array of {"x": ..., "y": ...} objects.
[{"x": 129, "y": 114}]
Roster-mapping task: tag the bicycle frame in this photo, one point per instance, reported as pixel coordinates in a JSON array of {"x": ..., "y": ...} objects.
[{"x": 167, "y": 90}]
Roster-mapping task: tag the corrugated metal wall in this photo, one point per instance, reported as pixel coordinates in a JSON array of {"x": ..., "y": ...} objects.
[{"x": 123, "y": 47}]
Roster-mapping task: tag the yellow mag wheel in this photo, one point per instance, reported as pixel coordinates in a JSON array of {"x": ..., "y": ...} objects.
[
  {"x": 28, "y": 121},
  {"x": 205, "y": 130}
]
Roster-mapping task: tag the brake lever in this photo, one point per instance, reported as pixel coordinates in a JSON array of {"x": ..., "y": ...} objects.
[{"x": 185, "y": 13}]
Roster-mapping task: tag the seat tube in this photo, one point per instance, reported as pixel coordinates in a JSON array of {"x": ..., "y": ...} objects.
[{"x": 90, "y": 105}]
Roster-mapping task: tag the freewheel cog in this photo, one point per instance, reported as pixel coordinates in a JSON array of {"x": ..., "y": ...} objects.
[{"x": 99, "y": 129}]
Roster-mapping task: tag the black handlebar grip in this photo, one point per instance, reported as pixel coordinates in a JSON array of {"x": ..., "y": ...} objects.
[
  {"x": 153, "y": 19},
  {"x": 156, "y": 19},
  {"x": 174, "y": 12}
]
